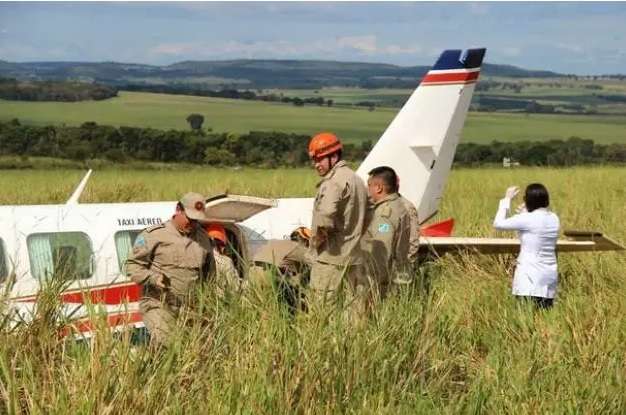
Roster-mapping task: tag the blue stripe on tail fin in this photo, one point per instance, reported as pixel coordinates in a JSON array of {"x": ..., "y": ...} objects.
[{"x": 458, "y": 59}]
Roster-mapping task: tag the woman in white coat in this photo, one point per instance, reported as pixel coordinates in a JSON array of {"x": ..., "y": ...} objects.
[{"x": 536, "y": 274}]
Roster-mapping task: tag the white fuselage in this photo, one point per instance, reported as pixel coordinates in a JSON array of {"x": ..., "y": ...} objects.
[
  {"x": 98, "y": 225},
  {"x": 100, "y": 222}
]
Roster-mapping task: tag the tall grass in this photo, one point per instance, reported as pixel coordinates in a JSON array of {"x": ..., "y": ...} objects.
[{"x": 465, "y": 347}]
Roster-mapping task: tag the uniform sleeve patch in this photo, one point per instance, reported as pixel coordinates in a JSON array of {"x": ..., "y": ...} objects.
[
  {"x": 384, "y": 228},
  {"x": 140, "y": 242}
]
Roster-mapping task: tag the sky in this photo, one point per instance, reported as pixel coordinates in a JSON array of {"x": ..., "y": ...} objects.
[{"x": 577, "y": 38}]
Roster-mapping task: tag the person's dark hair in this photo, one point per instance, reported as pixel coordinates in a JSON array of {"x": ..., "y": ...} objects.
[
  {"x": 388, "y": 177},
  {"x": 536, "y": 197}
]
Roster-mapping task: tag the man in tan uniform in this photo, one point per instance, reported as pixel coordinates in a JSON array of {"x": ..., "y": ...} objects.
[
  {"x": 168, "y": 261},
  {"x": 387, "y": 238},
  {"x": 338, "y": 220},
  {"x": 414, "y": 239},
  {"x": 414, "y": 236}
]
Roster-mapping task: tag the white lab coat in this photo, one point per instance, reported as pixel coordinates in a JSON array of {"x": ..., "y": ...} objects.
[{"x": 536, "y": 272}]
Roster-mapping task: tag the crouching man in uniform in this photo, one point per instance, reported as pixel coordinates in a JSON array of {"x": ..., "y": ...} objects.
[
  {"x": 227, "y": 276},
  {"x": 293, "y": 260},
  {"x": 169, "y": 261}
]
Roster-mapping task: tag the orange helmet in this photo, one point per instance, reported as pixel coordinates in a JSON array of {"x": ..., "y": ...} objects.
[
  {"x": 301, "y": 232},
  {"x": 324, "y": 144},
  {"x": 216, "y": 231}
]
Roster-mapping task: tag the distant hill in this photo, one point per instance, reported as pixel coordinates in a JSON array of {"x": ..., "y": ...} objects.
[{"x": 244, "y": 73}]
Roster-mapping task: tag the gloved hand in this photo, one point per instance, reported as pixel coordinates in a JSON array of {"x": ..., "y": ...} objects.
[
  {"x": 521, "y": 209},
  {"x": 160, "y": 281},
  {"x": 511, "y": 192}
]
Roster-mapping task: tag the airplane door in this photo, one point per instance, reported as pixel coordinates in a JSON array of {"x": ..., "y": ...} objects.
[
  {"x": 233, "y": 209},
  {"x": 236, "y": 208}
]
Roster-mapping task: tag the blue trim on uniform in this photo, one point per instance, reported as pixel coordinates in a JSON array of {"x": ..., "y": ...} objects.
[{"x": 459, "y": 59}]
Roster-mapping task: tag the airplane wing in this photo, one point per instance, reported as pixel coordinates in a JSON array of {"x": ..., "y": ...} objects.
[{"x": 576, "y": 241}]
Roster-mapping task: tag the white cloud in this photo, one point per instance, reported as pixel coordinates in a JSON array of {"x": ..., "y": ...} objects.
[
  {"x": 570, "y": 47},
  {"x": 511, "y": 51},
  {"x": 231, "y": 48},
  {"x": 364, "y": 45},
  {"x": 400, "y": 50},
  {"x": 173, "y": 48}
]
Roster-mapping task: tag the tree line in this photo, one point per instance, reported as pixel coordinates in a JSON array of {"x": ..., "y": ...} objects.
[
  {"x": 63, "y": 91},
  {"x": 570, "y": 152},
  {"x": 260, "y": 148},
  {"x": 93, "y": 141},
  {"x": 230, "y": 93}
]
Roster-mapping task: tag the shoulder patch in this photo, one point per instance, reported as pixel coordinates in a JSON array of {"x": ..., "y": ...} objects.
[
  {"x": 384, "y": 228},
  {"x": 155, "y": 227},
  {"x": 140, "y": 242}
]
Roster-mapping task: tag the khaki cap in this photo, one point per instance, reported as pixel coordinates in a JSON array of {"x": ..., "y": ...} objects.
[{"x": 194, "y": 205}]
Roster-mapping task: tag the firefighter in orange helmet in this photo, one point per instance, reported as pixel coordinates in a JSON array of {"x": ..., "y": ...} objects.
[
  {"x": 227, "y": 275},
  {"x": 338, "y": 219}
]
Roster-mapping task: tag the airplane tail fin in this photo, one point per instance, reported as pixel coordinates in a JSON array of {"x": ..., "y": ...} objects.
[{"x": 420, "y": 142}]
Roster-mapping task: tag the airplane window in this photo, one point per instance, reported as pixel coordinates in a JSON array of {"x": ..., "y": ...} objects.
[
  {"x": 124, "y": 241},
  {"x": 4, "y": 271},
  {"x": 66, "y": 255}
]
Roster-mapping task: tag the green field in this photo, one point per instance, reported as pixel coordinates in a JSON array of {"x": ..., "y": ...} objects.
[
  {"x": 466, "y": 347},
  {"x": 239, "y": 116},
  {"x": 565, "y": 94}
]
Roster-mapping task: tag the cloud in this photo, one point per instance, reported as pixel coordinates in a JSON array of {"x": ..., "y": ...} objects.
[
  {"x": 366, "y": 45},
  {"x": 511, "y": 51},
  {"x": 173, "y": 48},
  {"x": 231, "y": 48},
  {"x": 570, "y": 48}
]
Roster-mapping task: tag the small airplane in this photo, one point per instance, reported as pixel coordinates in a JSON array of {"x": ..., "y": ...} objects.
[{"x": 91, "y": 242}]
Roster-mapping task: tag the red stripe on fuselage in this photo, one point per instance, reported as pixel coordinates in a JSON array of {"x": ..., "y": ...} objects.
[
  {"x": 113, "y": 295},
  {"x": 450, "y": 78},
  {"x": 110, "y": 295}
]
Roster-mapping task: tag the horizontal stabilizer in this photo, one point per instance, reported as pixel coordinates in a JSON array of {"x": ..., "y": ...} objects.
[
  {"x": 583, "y": 238},
  {"x": 577, "y": 242},
  {"x": 73, "y": 200}
]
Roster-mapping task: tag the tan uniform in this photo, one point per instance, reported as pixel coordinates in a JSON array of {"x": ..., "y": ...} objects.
[
  {"x": 183, "y": 260},
  {"x": 227, "y": 275},
  {"x": 287, "y": 255},
  {"x": 340, "y": 207},
  {"x": 414, "y": 238},
  {"x": 387, "y": 239},
  {"x": 292, "y": 258}
]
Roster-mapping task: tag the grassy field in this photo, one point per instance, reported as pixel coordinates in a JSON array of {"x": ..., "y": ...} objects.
[
  {"x": 466, "y": 347},
  {"x": 239, "y": 116},
  {"x": 560, "y": 92}
]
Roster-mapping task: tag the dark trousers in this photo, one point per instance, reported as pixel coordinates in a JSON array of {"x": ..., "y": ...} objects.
[{"x": 540, "y": 302}]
